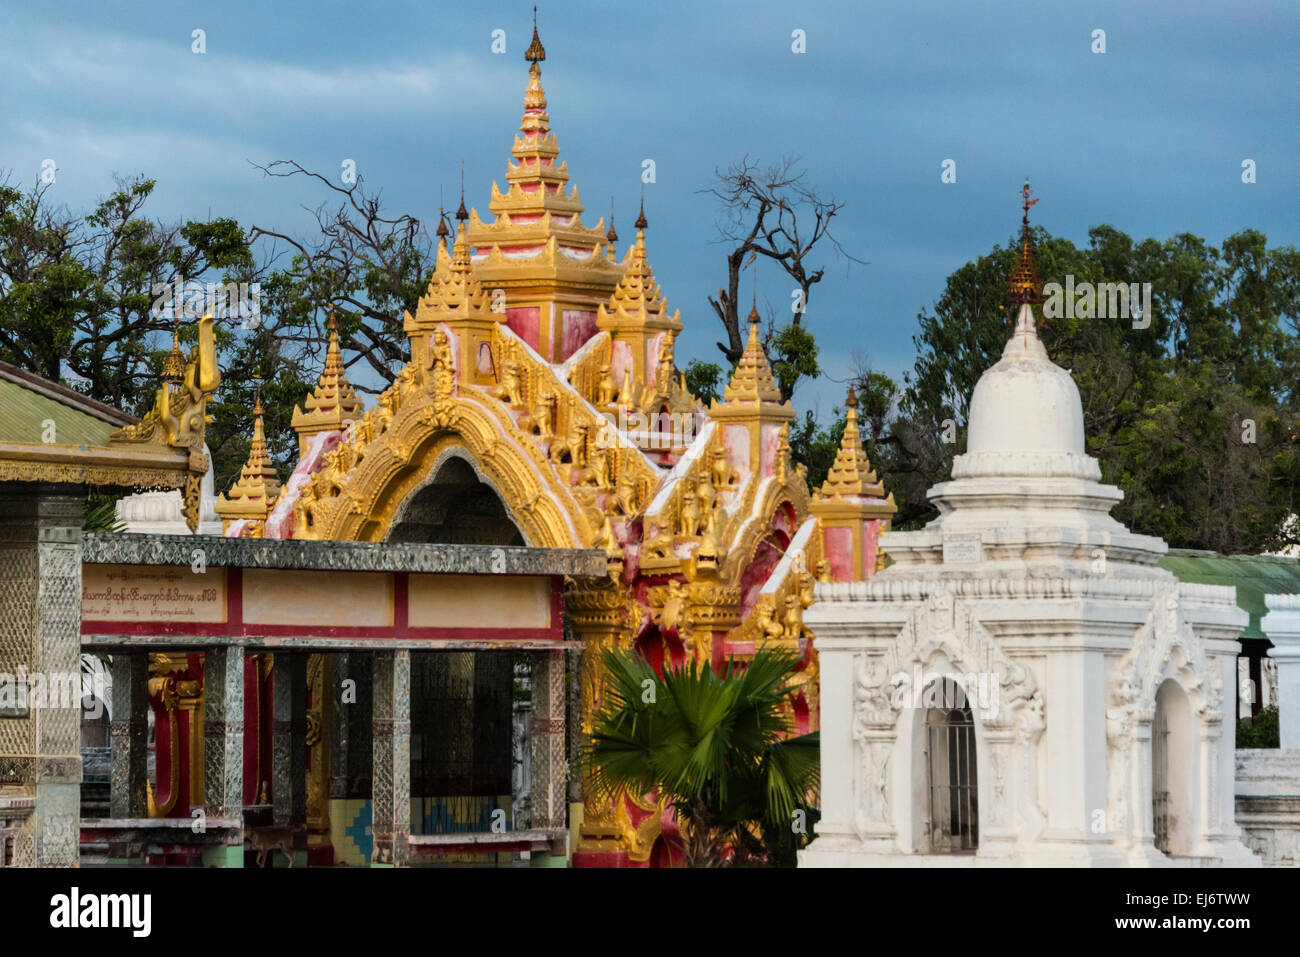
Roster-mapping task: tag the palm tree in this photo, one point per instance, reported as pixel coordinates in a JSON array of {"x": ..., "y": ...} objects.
[
  {"x": 717, "y": 744},
  {"x": 99, "y": 513}
]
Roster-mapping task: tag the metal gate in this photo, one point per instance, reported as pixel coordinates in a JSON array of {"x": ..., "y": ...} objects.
[
  {"x": 461, "y": 748},
  {"x": 1160, "y": 779},
  {"x": 951, "y": 773}
]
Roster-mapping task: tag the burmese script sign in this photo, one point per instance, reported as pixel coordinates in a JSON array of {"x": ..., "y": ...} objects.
[
  {"x": 159, "y": 594},
  {"x": 265, "y": 607}
]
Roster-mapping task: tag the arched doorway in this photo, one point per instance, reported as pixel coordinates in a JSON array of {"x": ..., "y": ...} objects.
[
  {"x": 455, "y": 507},
  {"x": 951, "y": 772},
  {"x": 464, "y": 712},
  {"x": 1173, "y": 756}
]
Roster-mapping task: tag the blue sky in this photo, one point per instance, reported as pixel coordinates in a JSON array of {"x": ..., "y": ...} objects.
[{"x": 1148, "y": 137}]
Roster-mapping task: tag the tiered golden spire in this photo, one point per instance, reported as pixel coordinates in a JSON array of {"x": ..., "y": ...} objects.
[
  {"x": 752, "y": 380},
  {"x": 333, "y": 403},
  {"x": 453, "y": 292},
  {"x": 537, "y": 250},
  {"x": 637, "y": 302},
  {"x": 535, "y": 148},
  {"x": 256, "y": 490},
  {"x": 851, "y": 473},
  {"x": 1026, "y": 285}
]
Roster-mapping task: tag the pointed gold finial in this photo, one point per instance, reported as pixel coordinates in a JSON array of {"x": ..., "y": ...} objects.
[
  {"x": 640, "y": 219},
  {"x": 610, "y": 235},
  {"x": 173, "y": 368},
  {"x": 851, "y": 401},
  {"x": 257, "y": 398},
  {"x": 535, "y": 52},
  {"x": 443, "y": 231},
  {"x": 1025, "y": 285}
]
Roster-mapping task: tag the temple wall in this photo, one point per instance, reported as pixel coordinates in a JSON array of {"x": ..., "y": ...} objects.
[{"x": 1268, "y": 803}]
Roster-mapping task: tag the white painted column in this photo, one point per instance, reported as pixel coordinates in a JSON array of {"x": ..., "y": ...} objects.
[{"x": 1282, "y": 625}]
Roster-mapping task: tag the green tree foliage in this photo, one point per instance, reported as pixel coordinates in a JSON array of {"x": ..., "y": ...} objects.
[
  {"x": 77, "y": 291},
  {"x": 704, "y": 379},
  {"x": 718, "y": 744},
  {"x": 792, "y": 352},
  {"x": 1261, "y": 731}
]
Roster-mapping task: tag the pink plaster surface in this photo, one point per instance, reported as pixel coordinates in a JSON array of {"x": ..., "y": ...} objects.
[
  {"x": 771, "y": 439},
  {"x": 870, "y": 543},
  {"x": 839, "y": 552},
  {"x": 279, "y": 524},
  {"x": 652, "y": 347},
  {"x": 620, "y": 360},
  {"x": 525, "y": 322},
  {"x": 737, "y": 442},
  {"x": 484, "y": 358},
  {"x": 579, "y": 326}
]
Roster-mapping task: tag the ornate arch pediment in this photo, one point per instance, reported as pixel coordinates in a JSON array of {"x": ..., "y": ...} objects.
[
  {"x": 392, "y": 451},
  {"x": 1166, "y": 646},
  {"x": 945, "y": 628}
]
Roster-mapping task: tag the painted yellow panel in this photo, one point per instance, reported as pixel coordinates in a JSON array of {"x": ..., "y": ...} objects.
[
  {"x": 313, "y": 598},
  {"x": 134, "y": 593},
  {"x": 479, "y": 601}
]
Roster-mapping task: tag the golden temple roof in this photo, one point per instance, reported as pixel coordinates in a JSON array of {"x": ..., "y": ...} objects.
[
  {"x": 637, "y": 302},
  {"x": 453, "y": 292},
  {"x": 333, "y": 403},
  {"x": 752, "y": 380},
  {"x": 255, "y": 491},
  {"x": 851, "y": 473},
  {"x": 537, "y": 221}
]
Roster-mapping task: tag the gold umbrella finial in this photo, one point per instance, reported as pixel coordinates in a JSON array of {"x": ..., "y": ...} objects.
[
  {"x": 1026, "y": 284},
  {"x": 535, "y": 52}
]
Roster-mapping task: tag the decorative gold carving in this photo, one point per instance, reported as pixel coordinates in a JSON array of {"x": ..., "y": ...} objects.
[
  {"x": 176, "y": 422},
  {"x": 179, "y": 414}
]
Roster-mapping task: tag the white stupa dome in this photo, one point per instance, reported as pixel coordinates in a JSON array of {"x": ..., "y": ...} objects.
[{"x": 1026, "y": 418}]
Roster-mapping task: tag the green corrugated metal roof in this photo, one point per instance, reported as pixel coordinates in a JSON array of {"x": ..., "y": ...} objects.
[
  {"x": 1254, "y": 576},
  {"x": 23, "y": 414}
]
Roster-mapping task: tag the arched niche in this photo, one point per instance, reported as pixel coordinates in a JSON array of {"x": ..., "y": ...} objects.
[
  {"x": 926, "y": 719},
  {"x": 1174, "y": 770}
]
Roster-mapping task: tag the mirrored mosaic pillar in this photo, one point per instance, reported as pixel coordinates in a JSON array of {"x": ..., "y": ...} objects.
[
  {"x": 129, "y": 735},
  {"x": 289, "y": 739},
  {"x": 391, "y": 728},
  {"x": 223, "y": 732},
  {"x": 40, "y": 636},
  {"x": 548, "y": 784}
]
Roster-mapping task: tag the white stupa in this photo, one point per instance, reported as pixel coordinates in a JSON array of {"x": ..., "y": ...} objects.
[{"x": 1023, "y": 685}]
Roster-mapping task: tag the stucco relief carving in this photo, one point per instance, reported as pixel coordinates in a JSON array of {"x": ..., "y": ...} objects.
[
  {"x": 1166, "y": 646},
  {"x": 945, "y": 629}
]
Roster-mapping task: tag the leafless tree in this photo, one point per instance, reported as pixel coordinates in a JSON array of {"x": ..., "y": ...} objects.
[
  {"x": 368, "y": 266},
  {"x": 771, "y": 212}
]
